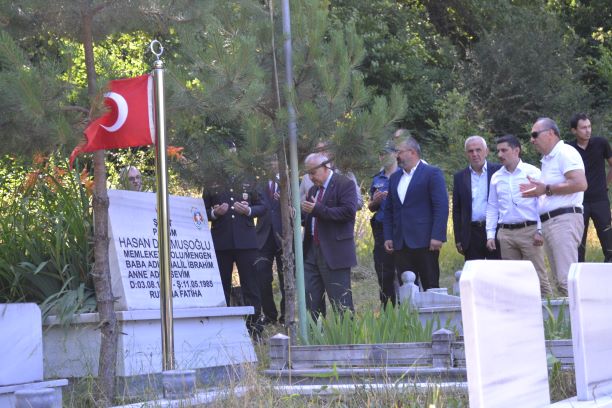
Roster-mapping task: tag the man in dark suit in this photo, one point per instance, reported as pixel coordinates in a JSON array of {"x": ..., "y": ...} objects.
[
  {"x": 416, "y": 215},
  {"x": 232, "y": 210},
  {"x": 269, "y": 230},
  {"x": 470, "y": 195},
  {"x": 329, "y": 243}
]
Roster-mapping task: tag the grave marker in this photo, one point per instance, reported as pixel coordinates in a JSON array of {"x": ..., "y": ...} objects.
[
  {"x": 504, "y": 335},
  {"x": 590, "y": 293},
  {"x": 134, "y": 258}
]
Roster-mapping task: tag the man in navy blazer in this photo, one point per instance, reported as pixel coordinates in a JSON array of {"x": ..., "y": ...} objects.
[
  {"x": 329, "y": 243},
  {"x": 269, "y": 230},
  {"x": 470, "y": 195},
  {"x": 416, "y": 215}
]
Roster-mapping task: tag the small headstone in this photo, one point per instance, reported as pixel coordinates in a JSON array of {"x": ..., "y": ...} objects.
[
  {"x": 504, "y": 335},
  {"x": 408, "y": 292},
  {"x": 456, "y": 288},
  {"x": 21, "y": 343},
  {"x": 590, "y": 297}
]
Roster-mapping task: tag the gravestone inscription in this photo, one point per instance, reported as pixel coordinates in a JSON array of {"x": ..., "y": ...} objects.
[{"x": 134, "y": 252}]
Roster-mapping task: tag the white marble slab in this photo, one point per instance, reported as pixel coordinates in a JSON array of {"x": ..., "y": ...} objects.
[
  {"x": 590, "y": 294},
  {"x": 504, "y": 335},
  {"x": 21, "y": 351},
  {"x": 134, "y": 253},
  {"x": 203, "y": 338}
]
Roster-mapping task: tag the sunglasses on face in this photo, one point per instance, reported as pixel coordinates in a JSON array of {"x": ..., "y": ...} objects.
[{"x": 534, "y": 135}]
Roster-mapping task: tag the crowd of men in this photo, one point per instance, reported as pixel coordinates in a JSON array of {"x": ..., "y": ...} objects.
[{"x": 511, "y": 210}]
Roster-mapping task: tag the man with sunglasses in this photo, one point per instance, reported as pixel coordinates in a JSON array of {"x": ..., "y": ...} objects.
[
  {"x": 329, "y": 242},
  {"x": 561, "y": 190}
]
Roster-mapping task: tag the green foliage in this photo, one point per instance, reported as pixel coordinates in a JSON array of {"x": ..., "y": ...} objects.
[
  {"x": 400, "y": 324},
  {"x": 228, "y": 62},
  {"x": 45, "y": 237},
  {"x": 559, "y": 326},
  {"x": 457, "y": 119},
  {"x": 535, "y": 74}
]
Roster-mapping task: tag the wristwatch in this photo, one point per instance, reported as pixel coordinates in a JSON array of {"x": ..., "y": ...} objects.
[{"x": 548, "y": 190}]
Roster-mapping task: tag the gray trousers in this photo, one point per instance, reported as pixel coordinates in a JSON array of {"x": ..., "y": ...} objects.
[{"x": 320, "y": 279}]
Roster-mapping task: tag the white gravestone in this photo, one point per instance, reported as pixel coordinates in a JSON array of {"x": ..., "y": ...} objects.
[
  {"x": 134, "y": 257},
  {"x": 504, "y": 335},
  {"x": 590, "y": 295},
  {"x": 21, "y": 343}
]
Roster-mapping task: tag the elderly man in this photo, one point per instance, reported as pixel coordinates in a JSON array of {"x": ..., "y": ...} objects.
[
  {"x": 561, "y": 190},
  {"x": 416, "y": 215},
  {"x": 329, "y": 243},
  {"x": 518, "y": 219},
  {"x": 470, "y": 192}
]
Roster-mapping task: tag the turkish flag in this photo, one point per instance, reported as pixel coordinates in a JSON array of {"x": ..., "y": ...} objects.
[{"x": 128, "y": 123}]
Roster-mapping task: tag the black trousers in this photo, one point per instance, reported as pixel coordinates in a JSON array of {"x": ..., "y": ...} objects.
[
  {"x": 320, "y": 279},
  {"x": 477, "y": 248},
  {"x": 600, "y": 213},
  {"x": 384, "y": 265},
  {"x": 421, "y": 261},
  {"x": 245, "y": 262},
  {"x": 267, "y": 255}
]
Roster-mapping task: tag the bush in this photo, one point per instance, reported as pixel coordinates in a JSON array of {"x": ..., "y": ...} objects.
[{"x": 45, "y": 236}]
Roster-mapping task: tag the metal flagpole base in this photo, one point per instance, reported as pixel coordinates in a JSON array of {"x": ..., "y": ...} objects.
[
  {"x": 35, "y": 398},
  {"x": 178, "y": 384}
]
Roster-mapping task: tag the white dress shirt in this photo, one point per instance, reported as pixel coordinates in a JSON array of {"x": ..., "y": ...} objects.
[
  {"x": 506, "y": 205},
  {"x": 479, "y": 193},
  {"x": 404, "y": 182}
]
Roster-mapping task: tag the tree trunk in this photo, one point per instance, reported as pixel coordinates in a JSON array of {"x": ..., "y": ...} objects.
[
  {"x": 101, "y": 273},
  {"x": 288, "y": 252}
]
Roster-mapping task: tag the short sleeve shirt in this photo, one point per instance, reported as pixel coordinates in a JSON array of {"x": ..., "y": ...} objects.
[
  {"x": 561, "y": 159},
  {"x": 595, "y": 155}
]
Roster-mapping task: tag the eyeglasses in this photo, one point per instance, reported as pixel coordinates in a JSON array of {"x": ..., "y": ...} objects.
[
  {"x": 313, "y": 170},
  {"x": 534, "y": 135}
]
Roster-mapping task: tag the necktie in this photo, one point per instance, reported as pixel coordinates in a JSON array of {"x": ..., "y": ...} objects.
[
  {"x": 315, "y": 233},
  {"x": 271, "y": 189}
]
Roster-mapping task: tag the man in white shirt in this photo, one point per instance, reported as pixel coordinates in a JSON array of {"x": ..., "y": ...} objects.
[
  {"x": 561, "y": 190},
  {"x": 520, "y": 234}
]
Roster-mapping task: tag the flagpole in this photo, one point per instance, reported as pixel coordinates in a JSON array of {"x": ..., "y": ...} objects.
[
  {"x": 163, "y": 214},
  {"x": 295, "y": 186}
]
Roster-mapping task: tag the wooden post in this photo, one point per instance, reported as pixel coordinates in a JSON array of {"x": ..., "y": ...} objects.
[
  {"x": 442, "y": 356},
  {"x": 279, "y": 352}
]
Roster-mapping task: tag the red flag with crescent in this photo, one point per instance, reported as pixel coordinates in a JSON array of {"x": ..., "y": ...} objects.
[{"x": 129, "y": 121}]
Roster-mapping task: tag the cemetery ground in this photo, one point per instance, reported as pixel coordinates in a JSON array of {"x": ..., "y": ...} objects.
[{"x": 256, "y": 389}]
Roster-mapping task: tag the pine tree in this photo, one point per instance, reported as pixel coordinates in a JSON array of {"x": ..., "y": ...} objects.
[
  {"x": 42, "y": 114},
  {"x": 236, "y": 92}
]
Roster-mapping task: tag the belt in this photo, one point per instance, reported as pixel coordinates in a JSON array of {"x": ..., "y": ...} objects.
[
  {"x": 517, "y": 225},
  {"x": 547, "y": 216},
  {"x": 479, "y": 223}
]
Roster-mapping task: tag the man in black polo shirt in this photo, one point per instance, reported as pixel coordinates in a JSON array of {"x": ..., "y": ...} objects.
[{"x": 594, "y": 151}]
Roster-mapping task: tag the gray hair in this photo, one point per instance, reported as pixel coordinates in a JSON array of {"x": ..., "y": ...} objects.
[
  {"x": 317, "y": 158},
  {"x": 412, "y": 144},
  {"x": 549, "y": 124},
  {"x": 475, "y": 138}
]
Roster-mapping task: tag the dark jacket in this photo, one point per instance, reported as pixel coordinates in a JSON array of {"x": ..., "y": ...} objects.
[
  {"x": 462, "y": 202},
  {"x": 424, "y": 214},
  {"x": 232, "y": 230},
  {"x": 335, "y": 222}
]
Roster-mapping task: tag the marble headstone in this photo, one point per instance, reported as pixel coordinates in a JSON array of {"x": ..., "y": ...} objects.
[
  {"x": 20, "y": 343},
  {"x": 504, "y": 335},
  {"x": 590, "y": 295},
  {"x": 134, "y": 257}
]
